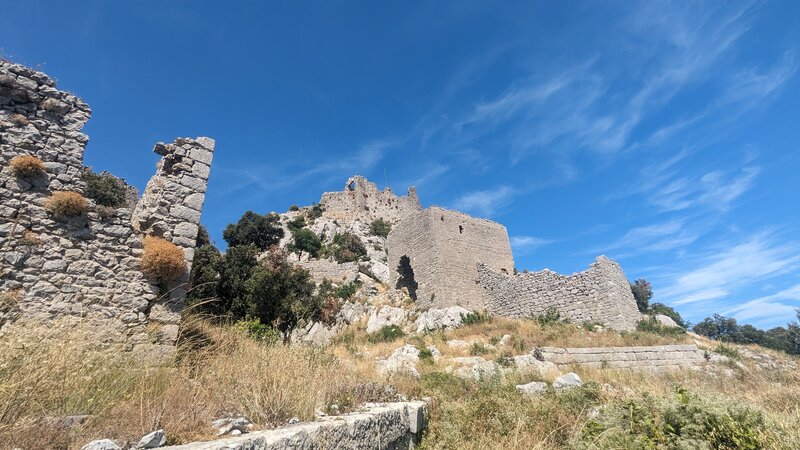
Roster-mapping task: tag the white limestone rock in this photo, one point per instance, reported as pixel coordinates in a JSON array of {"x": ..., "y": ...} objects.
[
  {"x": 666, "y": 321},
  {"x": 101, "y": 444},
  {"x": 386, "y": 315},
  {"x": 529, "y": 364},
  {"x": 152, "y": 440},
  {"x": 533, "y": 389},
  {"x": 568, "y": 381},
  {"x": 402, "y": 360},
  {"x": 437, "y": 319}
]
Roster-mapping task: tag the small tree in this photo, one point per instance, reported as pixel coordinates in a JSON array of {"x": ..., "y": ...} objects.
[
  {"x": 280, "y": 294},
  {"x": 254, "y": 229},
  {"x": 718, "y": 327},
  {"x": 204, "y": 277},
  {"x": 235, "y": 269},
  {"x": 105, "y": 189},
  {"x": 203, "y": 237},
  {"x": 306, "y": 241},
  {"x": 380, "y": 227},
  {"x": 642, "y": 292},
  {"x": 348, "y": 247}
]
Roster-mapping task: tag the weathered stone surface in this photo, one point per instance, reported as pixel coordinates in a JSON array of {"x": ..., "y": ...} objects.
[
  {"x": 386, "y": 315},
  {"x": 378, "y": 426},
  {"x": 362, "y": 200},
  {"x": 567, "y": 381},
  {"x": 402, "y": 360},
  {"x": 433, "y": 254},
  {"x": 600, "y": 294},
  {"x": 666, "y": 321},
  {"x": 152, "y": 440},
  {"x": 533, "y": 389},
  {"x": 101, "y": 444},
  {"x": 438, "y": 319},
  {"x": 656, "y": 358},
  {"x": 86, "y": 267}
]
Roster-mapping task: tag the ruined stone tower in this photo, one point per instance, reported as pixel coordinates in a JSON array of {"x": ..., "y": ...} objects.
[
  {"x": 361, "y": 200},
  {"x": 434, "y": 254}
]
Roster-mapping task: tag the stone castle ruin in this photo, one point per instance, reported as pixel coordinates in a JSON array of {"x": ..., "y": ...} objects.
[
  {"x": 88, "y": 266},
  {"x": 361, "y": 200}
]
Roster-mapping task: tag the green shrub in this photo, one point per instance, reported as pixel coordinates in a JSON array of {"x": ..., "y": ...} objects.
[
  {"x": 475, "y": 317},
  {"x": 425, "y": 354},
  {"x": 105, "y": 189},
  {"x": 726, "y": 350},
  {"x": 478, "y": 349},
  {"x": 258, "y": 331},
  {"x": 294, "y": 208},
  {"x": 280, "y": 294},
  {"x": 297, "y": 223},
  {"x": 651, "y": 325},
  {"x": 380, "y": 227},
  {"x": 387, "y": 333},
  {"x": 685, "y": 422},
  {"x": 551, "y": 316},
  {"x": 660, "y": 308},
  {"x": 347, "y": 247},
  {"x": 642, "y": 292},
  {"x": 204, "y": 279},
  {"x": 305, "y": 241},
  {"x": 347, "y": 290},
  {"x": 254, "y": 229},
  {"x": 315, "y": 212}
]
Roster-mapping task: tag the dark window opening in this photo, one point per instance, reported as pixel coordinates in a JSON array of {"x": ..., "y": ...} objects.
[
  {"x": 406, "y": 278},
  {"x": 460, "y": 229},
  {"x": 442, "y": 218},
  {"x": 352, "y": 186}
]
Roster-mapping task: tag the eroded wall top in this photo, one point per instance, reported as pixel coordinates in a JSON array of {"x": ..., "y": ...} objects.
[{"x": 361, "y": 200}]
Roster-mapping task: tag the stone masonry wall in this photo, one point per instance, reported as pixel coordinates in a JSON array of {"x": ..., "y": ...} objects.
[
  {"x": 656, "y": 358},
  {"x": 443, "y": 248},
  {"x": 600, "y": 294},
  {"x": 87, "y": 267},
  {"x": 361, "y": 200},
  {"x": 388, "y": 426}
]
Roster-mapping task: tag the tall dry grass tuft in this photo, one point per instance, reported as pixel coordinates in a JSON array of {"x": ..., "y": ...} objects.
[{"x": 219, "y": 372}]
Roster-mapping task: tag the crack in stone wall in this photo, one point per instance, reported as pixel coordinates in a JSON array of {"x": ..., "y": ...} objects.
[{"x": 87, "y": 267}]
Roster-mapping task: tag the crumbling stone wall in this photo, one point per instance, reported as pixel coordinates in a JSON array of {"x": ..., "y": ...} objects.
[
  {"x": 87, "y": 267},
  {"x": 434, "y": 254},
  {"x": 654, "y": 358},
  {"x": 600, "y": 294},
  {"x": 361, "y": 200}
]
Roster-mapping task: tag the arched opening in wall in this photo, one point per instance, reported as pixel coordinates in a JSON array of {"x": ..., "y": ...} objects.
[
  {"x": 351, "y": 186},
  {"x": 406, "y": 277}
]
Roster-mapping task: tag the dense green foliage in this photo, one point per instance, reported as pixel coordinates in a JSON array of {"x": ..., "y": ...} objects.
[
  {"x": 651, "y": 325},
  {"x": 204, "y": 276},
  {"x": 347, "y": 247},
  {"x": 202, "y": 237},
  {"x": 550, "y": 317},
  {"x": 105, "y": 189},
  {"x": 642, "y": 292},
  {"x": 387, "y": 333},
  {"x": 259, "y": 230},
  {"x": 296, "y": 223},
  {"x": 315, "y": 212},
  {"x": 380, "y": 227},
  {"x": 305, "y": 241},
  {"x": 474, "y": 317},
  {"x": 726, "y": 329},
  {"x": 688, "y": 421}
]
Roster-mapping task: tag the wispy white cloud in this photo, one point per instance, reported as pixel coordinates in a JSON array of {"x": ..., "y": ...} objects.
[
  {"x": 714, "y": 189},
  {"x": 768, "y": 307},
  {"x": 485, "y": 203},
  {"x": 669, "y": 235},
  {"x": 523, "y": 245},
  {"x": 727, "y": 270}
]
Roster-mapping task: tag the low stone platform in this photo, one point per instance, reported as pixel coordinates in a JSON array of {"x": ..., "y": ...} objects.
[
  {"x": 658, "y": 357},
  {"x": 384, "y": 426}
]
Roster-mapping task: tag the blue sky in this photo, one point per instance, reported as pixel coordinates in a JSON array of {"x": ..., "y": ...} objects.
[{"x": 665, "y": 135}]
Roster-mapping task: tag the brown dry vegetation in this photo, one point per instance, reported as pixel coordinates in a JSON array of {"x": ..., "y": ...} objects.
[
  {"x": 66, "y": 204},
  {"x": 219, "y": 372},
  {"x": 27, "y": 166},
  {"x": 162, "y": 260}
]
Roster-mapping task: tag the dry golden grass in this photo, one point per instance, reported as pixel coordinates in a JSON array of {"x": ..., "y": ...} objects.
[
  {"x": 27, "y": 166},
  {"x": 66, "y": 204},
  {"x": 162, "y": 260},
  {"x": 220, "y": 372}
]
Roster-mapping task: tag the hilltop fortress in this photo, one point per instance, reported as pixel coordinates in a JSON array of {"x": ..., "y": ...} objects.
[
  {"x": 88, "y": 266},
  {"x": 445, "y": 258}
]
